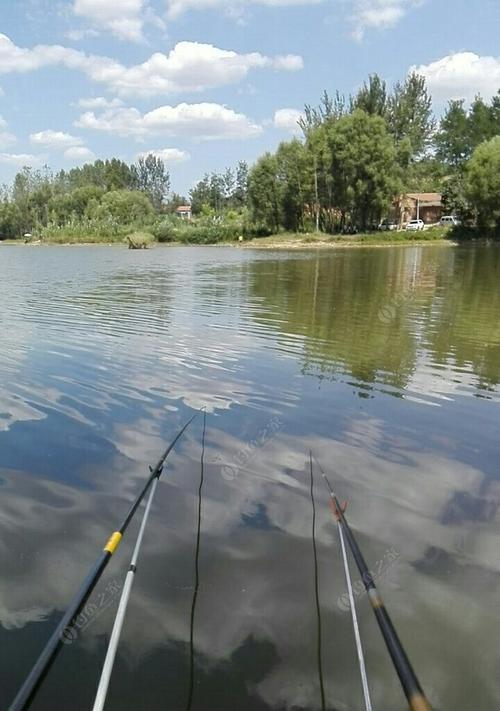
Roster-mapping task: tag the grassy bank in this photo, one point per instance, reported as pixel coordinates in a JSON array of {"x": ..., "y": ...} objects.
[
  {"x": 304, "y": 241},
  {"x": 211, "y": 235}
]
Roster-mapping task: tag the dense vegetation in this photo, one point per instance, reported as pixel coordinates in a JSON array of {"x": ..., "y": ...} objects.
[
  {"x": 355, "y": 160},
  {"x": 359, "y": 154}
]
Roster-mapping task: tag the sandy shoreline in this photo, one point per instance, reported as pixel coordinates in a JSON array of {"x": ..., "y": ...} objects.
[{"x": 292, "y": 244}]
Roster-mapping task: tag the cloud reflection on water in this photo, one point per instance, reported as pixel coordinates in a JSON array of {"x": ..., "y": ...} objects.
[{"x": 252, "y": 337}]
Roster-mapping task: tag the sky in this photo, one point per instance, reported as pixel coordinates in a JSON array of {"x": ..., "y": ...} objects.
[{"x": 205, "y": 83}]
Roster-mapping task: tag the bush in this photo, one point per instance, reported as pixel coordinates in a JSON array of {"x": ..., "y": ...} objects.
[
  {"x": 107, "y": 230},
  {"x": 165, "y": 230},
  {"x": 125, "y": 206},
  {"x": 482, "y": 184}
]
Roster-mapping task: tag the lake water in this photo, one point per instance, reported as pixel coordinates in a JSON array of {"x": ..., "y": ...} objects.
[{"x": 384, "y": 362}]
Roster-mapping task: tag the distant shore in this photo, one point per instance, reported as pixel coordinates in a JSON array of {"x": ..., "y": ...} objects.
[
  {"x": 371, "y": 239},
  {"x": 283, "y": 241}
]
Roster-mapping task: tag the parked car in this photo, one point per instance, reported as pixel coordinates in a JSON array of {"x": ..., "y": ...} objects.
[
  {"x": 449, "y": 221},
  {"x": 387, "y": 225},
  {"x": 414, "y": 225}
]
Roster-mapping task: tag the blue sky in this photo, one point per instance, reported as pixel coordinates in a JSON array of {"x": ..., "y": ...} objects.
[{"x": 204, "y": 83}]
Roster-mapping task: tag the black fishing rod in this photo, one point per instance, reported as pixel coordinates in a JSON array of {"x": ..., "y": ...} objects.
[
  {"x": 417, "y": 700},
  {"x": 49, "y": 653}
]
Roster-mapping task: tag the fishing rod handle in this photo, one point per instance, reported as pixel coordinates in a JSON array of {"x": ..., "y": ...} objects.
[{"x": 61, "y": 633}]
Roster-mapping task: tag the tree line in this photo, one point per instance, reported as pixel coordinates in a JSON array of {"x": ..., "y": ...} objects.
[
  {"x": 357, "y": 155},
  {"x": 353, "y": 159},
  {"x": 109, "y": 190}
]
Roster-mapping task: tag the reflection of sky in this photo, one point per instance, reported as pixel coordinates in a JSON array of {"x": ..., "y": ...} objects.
[{"x": 99, "y": 368}]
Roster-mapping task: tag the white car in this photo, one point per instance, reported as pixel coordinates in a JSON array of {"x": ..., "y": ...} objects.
[
  {"x": 388, "y": 225},
  {"x": 415, "y": 225},
  {"x": 449, "y": 221}
]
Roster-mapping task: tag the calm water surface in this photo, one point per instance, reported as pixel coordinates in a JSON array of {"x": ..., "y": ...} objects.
[{"x": 386, "y": 362}]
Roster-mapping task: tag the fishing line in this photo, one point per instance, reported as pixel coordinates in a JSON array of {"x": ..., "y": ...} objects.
[
  {"x": 414, "y": 693},
  {"x": 316, "y": 591},
  {"x": 45, "y": 660}
]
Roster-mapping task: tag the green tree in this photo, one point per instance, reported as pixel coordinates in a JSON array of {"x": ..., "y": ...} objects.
[
  {"x": 10, "y": 220},
  {"x": 482, "y": 184},
  {"x": 31, "y": 191},
  {"x": 111, "y": 174},
  {"x": 372, "y": 97},
  {"x": 481, "y": 122},
  {"x": 228, "y": 182},
  {"x": 217, "y": 192},
  {"x": 294, "y": 179},
  {"x": 263, "y": 192},
  {"x": 65, "y": 207},
  {"x": 241, "y": 184},
  {"x": 409, "y": 114},
  {"x": 200, "y": 194},
  {"x": 454, "y": 196},
  {"x": 364, "y": 171},
  {"x": 125, "y": 206},
  {"x": 453, "y": 137},
  {"x": 149, "y": 176}
]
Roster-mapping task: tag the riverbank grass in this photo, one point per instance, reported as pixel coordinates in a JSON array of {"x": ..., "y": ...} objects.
[{"x": 290, "y": 240}]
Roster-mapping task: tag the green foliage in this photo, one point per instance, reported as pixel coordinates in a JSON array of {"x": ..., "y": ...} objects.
[
  {"x": 461, "y": 131},
  {"x": 409, "y": 114},
  {"x": 357, "y": 156},
  {"x": 109, "y": 175},
  {"x": 150, "y": 177},
  {"x": 363, "y": 168},
  {"x": 454, "y": 197},
  {"x": 372, "y": 97},
  {"x": 10, "y": 221},
  {"x": 93, "y": 230},
  {"x": 73, "y": 206},
  {"x": 125, "y": 206},
  {"x": 215, "y": 193},
  {"x": 482, "y": 184},
  {"x": 263, "y": 192},
  {"x": 294, "y": 178},
  {"x": 165, "y": 229},
  {"x": 426, "y": 175}
]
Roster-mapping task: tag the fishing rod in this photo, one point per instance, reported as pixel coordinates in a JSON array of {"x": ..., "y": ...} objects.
[
  {"x": 107, "y": 669},
  {"x": 44, "y": 662},
  {"x": 354, "y": 616},
  {"x": 414, "y": 693}
]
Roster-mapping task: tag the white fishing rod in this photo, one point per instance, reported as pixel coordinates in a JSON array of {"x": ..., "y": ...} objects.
[
  {"x": 107, "y": 669},
  {"x": 354, "y": 616},
  {"x": 352, "y": 604},
  {"x": 109, "y": 661}
]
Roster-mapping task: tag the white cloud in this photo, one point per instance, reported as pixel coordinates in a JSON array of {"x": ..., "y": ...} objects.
[
  {"x": 56, "y": 140},
  {"x": 286, "y": 120},
  {"x": 99, "y": 102},
  {"x": 288, "y": 62},
  {"x": 79, "y": 35},
  {"x": 188, "y": 67},
  {"x": 461, "y": 76},
  {"x": 192, "y": 66},
  {"x": 167, "y": 155},
  {"x": 124, "y": 18},
  {"x": 79, "y": 154},
  {"x": 233, "y": 8},
  {"x": 378, "y": 14},
  {"x": 20, "y": 159},
  {"x": 20, "y": 59},
  {"x": 6, "y": 138},
  {"x": 204, "y": 121}
]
